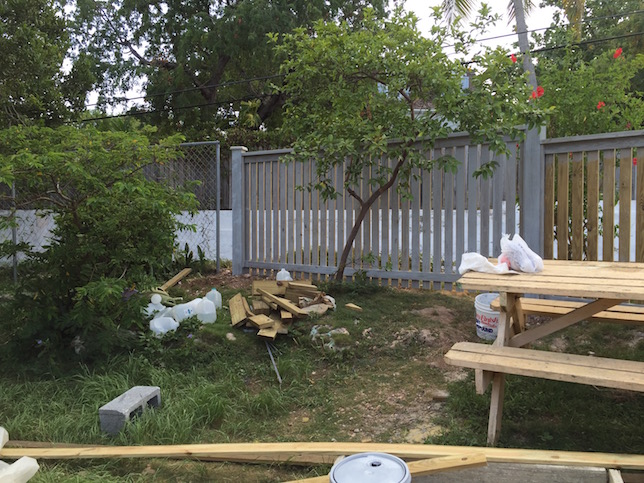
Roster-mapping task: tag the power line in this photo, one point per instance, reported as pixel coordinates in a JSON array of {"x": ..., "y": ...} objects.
[
  {"x": 190, "y": 89},
  {"x": 588, "y": 20},
  {"x": 586, "y": 42},
  {"x": 179, "y": 108}
]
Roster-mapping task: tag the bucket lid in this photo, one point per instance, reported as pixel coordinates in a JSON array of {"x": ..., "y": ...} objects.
[
  {"x": 371, "y": 468},
  {"x": 485, "y": 299}
]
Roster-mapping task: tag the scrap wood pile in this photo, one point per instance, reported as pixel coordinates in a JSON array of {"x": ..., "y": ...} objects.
[{"x": 276, "y": 305}]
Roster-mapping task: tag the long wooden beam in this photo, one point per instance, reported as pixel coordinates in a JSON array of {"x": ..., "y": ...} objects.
[
  {"x": 316, "y": 453},
  {"x": 425, "y": 467}
]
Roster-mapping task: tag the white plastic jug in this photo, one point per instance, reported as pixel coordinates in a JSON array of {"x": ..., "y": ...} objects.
[
  {"x": 184, "y": 311},
  {"x": 161, "y": 325},
  {"x": 155, "y": 307},
  {"x": 215, "y": 297},
  {"x": 206, "y": 311},
  {"x": 283, "y": 276}
]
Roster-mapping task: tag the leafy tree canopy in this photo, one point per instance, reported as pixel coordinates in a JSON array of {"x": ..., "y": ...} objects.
[
  {"x": 596, "y": 81},
  {"x": 381, "y": 90},
  {"x": 33, "y": 45},
  {"x": 192, "y": 58}
]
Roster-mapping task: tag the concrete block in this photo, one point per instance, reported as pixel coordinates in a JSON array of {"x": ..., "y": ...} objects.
[{"x": 128, "y": 405}]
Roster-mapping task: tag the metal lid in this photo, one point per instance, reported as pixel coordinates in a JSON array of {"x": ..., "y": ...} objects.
[{"x": 370, "y": 468}]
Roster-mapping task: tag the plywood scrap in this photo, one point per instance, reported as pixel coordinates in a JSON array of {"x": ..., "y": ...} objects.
[
  {"x": 261, "y": 307},
  {"x": 238, "y": 313},
  {"x": 296, "y": 290},
  {"x": 285, "y": 304},
  {"x": 261, "y": 321},
  {"x": 268, "y": 332},
  {"x": 319, "y": 309},
  {"x": 269, "y": 302},
  {"x": 270, "y": 286},
  {"x": 286, "y": 315},
  {"x": 355, "y": 307},
  {"x": 249, "y": 313}
]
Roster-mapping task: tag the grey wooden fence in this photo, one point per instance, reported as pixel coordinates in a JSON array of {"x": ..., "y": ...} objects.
[{"x": 409, "y": 243}]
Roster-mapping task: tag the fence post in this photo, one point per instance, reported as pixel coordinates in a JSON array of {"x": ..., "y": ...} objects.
[
  {"x": 238, "y": 193},
  {"x": 532, "y": 199}
]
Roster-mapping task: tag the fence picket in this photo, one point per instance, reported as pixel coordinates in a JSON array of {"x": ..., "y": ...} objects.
[
  {"x": 625, "y": 197},
  {"x": 549, "y": 210},
  {"x": 498, "y": 184},
  {"x": 639, "y": 207},
  {"x": 485, "y": 205},
  {"x": 460, "y": 205},
  {"x": 577, "y": 205},
  {"x": 435, "y": 253},
  {"x": 609, "y": 205},
  {"x": 562, "y": 207},
  {"x": 473, "y": 191},
  {"x": 592, "y": 205}
]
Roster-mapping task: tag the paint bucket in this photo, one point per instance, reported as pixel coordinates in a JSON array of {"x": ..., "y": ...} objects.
[
  {"x": 370, "y": 468},
  {"x": 487, "y": 320}
]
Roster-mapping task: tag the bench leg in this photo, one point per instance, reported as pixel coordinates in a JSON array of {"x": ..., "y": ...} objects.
[
  {"x": 482, "y": 380},
  {"x": 496, "y": 409}
]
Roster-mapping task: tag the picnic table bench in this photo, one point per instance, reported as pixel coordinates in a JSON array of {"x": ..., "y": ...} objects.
[{"x": 608, "y": 284}]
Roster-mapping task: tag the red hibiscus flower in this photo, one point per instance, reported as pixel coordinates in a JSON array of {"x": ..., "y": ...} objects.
[
  {"x": 617, "y": 53},
  {"x": 514, "y": 58},
  {"x": 634, "y": 161},
  {"x": 600, "y": 104}
]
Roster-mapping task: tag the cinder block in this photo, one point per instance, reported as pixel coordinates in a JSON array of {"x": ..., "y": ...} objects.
[{"x": 128, "y": 405}]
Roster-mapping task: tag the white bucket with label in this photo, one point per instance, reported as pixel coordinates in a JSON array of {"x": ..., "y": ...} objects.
[{"x": 487, "y": 320}]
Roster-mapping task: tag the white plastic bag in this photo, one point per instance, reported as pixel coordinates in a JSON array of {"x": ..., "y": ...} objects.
[
  {"x": 478, "y": 263},
  {"x": 518, "y": 256}
]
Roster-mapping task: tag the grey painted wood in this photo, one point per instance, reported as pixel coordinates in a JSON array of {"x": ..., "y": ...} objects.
[
  {"x": 339, "y": 186},
  {"x": 324, "y": 244},
  {"x": 315, "y": 224},
  {"x": 498, "y": 183},
  {"x": 415, "y": 224},
  {"x": 404, "y": 237},
  {"x": 594, "y": 142},
  {"x": 473, "y": 191},
  {"x": 275, "y": 246},
  {"x": 237, "y": 165},
  {"x": 332, "y": 225},
  {"x": 395, "y": 226},
  {"x": 283, "y": 223},
  {"x": 513, "y": 473},
  {"x": 532, "y": 191},
  {"x": 437, "y": 207},
  {"x": 298, "y": 213},
  {"x": 253, "y": 201},
  {"x": 460, "y": 194},
  {"x": 511, "y": 190},
  {"x": 486, "y": 189},
  {"x": 427, "y": 225},
  {"x": 449, "y": 224},
  {"x": 261, "y": 206},
  {"x": 306, "y": 208}
]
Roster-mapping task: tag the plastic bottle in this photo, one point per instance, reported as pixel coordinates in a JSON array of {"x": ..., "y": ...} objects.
[
  {"x": 161, "y": 325},
  {"x": 155, "y": 307},
  {"x": 206, "y": 311},
  {"x": 215, "y": 297},
  {"x": 283, "y": 276},
  {"x": 184, "y": 311}
]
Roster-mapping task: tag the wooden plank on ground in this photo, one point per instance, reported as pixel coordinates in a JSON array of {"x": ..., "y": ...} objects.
[
  {"x": 286, "y": 315},
  {"x": 249, "y": 313},
  {"x": 261, "y": 321},
  {"x": 237, "y": 311},
  {"x": 268, "y": 332},
  {"x": 269, "y": 302},
  {"x": 174, "y": 280},
  {"x": 270, "y": 286},
  {"x": 327, "y": 452},
  {"x": 285, "y": 304},
  {"x": 355, "y": 307},
  {"x": 261, "y": 307}
]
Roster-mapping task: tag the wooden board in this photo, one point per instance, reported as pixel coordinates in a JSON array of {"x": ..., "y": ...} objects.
[
  {"x": 268, "y": 332},
  {"x": 286, "y": 315},
  {"x": 270, "y": 286},
  {"x": 237, "y": 311},
  {"x": 261, "y": 321},
  {"x": 285, "y": 304},
  {"x": 249, "y": 313},
  {"x": 327, "y": 452},
  {"x": 355, "y": 307},
  {"x": 600, "y": 371},
  {"x": 174, "y": 280},
  {"x": 261, "y": 307}
]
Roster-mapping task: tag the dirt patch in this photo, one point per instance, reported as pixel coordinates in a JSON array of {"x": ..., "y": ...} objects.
[
  {"x": 440, "y": 313},
  {"x": 223, "y": 278}
]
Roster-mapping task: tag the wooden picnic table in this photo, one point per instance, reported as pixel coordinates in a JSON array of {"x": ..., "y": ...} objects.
[{"x": 603, "y": 284}]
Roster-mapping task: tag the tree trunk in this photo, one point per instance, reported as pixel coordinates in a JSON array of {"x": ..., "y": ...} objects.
[{"x": 364, "y": 209}]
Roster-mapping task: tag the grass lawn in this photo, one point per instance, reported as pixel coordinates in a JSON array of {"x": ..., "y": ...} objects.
[{"x": 387, "y": 383}]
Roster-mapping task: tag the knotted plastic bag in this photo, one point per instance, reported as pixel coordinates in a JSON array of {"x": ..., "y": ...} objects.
[{"x": 517, "y": 255}]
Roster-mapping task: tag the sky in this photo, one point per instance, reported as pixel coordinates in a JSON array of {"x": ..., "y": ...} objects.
[{"x": 538, "y": 18}]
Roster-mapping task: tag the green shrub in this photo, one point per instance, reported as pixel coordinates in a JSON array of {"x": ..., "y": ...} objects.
[{"x": 114, "y": 233}]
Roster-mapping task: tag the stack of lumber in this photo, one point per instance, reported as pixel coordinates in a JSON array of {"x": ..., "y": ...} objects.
[{"x": 275, "y": 306}]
